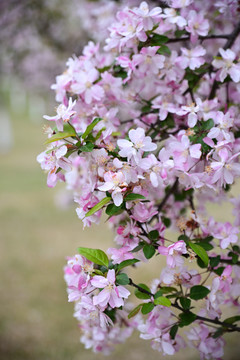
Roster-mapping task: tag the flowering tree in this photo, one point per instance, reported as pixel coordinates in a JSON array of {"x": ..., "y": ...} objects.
[{"x": 147, "y": 131}]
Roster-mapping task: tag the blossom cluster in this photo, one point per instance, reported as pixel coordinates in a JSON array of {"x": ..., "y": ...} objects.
[{"x": 147, "y": 131}]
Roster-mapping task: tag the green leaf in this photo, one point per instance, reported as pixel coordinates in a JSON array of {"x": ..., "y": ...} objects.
[
  {"x": 90, "y": 127},
  {"x": 173, "y": 331},
  {"x": 112, "y": 209},
  {"x": 168, "y": 289},
  {"x": 125, "y": 263},
  {"x": 205, "y": 245},
  {"x": 164, "y": 50},
  {"x": 185, "y": 302},
  {"x": 200, "y": 252},
  {"x": 61, "y": 135},
  {"x": 153, "y": 235},
  {"x": 137, "y": 248},
  {"x": 149, "y": 251},
  {"x": 232, "y": 319},
  {"x": 186, "y": 318},
  {"x": 166, "y": 221},
  {"x": 207, "y": 125},
  {"x": 88, "y": 147},
  {"x": 198, "y": 292},
  {"x": 97, "y": 272},
  {"x": 158, "y": 293},
  {"x": 97, "y": 256},
  {"x": 98, "y": 206},
  {"x": 218, "y": 332},
  {"x": 141, "y": 295},
  {"x": 233, "y": 256},
  {"x": 122, "y": 279},
  {"x": 161, "y": 300},
  {"x": 156, "y": 40},
  {"x": 135, "y": 311},
  {"x": 147, "y": 308},
  {"x": 133, "y": 196},
  {"x": 219, "y": 270},
  {"x": 214, "y": 261},
  {"x": 185, "y": 238}
]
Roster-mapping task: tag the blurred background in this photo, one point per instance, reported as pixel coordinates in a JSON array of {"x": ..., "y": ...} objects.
[{"x": 38, "y": 227}]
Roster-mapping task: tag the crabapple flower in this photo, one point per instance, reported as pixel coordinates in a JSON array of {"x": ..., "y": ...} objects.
[
  {"x": 147, "y": 16},
  {"x": 111, "y": 293},
  {"x": 173, "y": 18},
  {"x": 51, "y": 161},
  {"x": 227, "y": 66},
  {"x": 138, "y": 144},
  {"x": 198, "y": 25},
  {"x": 225, "y": 169},
  {"x": 64, "y": 113},
  {"x": 192, "y": 58},
  {"x": 116, "y": 183},
  {"x": 227, "y": 234},
  {"x": 173, "y": 253},
  {"x": 192, "y": 111}
]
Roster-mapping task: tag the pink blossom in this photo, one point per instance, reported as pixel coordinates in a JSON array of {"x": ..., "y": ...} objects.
[
  {"x": 227, "y": 65},
  {"x": 227, "y": 234},
  {"x": 192, "y": 58},
  {"x": 225, "y": 169},
  {"x": 173, "y": 17},
  {"x": 111, "y": 293},
  {"x": 192, "y": 111},
  {"x": 148, "y": 16},
  {"x": 64, "y": 113},
  {"x": 51, "y": 161},
  {"x": 197, "y": 24},
  {"x": 119, "y": 255},
  {"x": 116, "y": 183},
  {"x": 173, "y": 253},
  {"x": 139, "y": 143}
]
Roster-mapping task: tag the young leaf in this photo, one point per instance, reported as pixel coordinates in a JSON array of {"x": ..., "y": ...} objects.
[
  {"x": 149, "y": 251},
  {"x": 135, "y": 311},
  {"x": 147, "y": 308},
  {"x": 125, "y": 263},
  {"x": 200, "y": 252},
  {"x": 98, "y": 206},
  {"x": 122, "y": 279},
  {"x": 90, "y": 127},
  {"x": 133, "y": 196},
  {"x": 161, "y": 300},
  {"x": 198, "y": 292},
  {"x": 185, "y": 302},
  {"x": 97, "y": 256}
]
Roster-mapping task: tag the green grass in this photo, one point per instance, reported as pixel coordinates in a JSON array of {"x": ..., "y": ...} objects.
[{"x": 36, "y": 319}]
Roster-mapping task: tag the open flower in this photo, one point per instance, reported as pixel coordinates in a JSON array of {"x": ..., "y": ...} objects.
[
  {"x": 173, "y": 253},
  {"x": 111, "y": 294},
  {"x": 138, "y": 144},
  {"x": 64, "y": 113},
  {"x": 227, "y": 66}
]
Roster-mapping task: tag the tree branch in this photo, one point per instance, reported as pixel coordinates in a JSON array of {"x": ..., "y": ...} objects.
[{"x": 200, "y": 318}]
